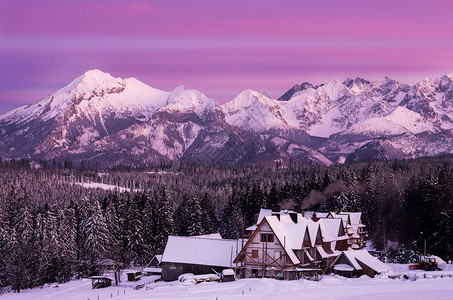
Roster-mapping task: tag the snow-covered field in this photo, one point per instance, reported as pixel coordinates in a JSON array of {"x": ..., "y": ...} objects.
[
  {"x": 107, "y": 187},
  {"x": 329, "y": 287}
]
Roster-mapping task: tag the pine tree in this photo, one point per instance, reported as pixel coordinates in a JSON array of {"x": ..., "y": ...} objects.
[
  {"x": 180, "y": 217},
  {"x": 163, "y": 222},
  {"x": 231, "y": 221},
  {"x": 272, "y": 198},
  {"x": 195, "y": 215},
  {"x": 209, "y": 221},
  {"x": 68, "y": 235},
  {"x": 135, "y": 230},
  {"x": 20, "y": 251},
  {"x": 97, "y": 238}
]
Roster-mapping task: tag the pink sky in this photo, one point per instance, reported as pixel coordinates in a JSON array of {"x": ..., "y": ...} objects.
[{"x": 219, "y": 47}]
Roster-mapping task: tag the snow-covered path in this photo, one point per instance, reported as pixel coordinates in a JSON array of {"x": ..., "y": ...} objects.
[{"x": 329, "y": 287}]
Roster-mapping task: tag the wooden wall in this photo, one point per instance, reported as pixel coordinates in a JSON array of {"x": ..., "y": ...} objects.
[{"x": 171, "y": 271}]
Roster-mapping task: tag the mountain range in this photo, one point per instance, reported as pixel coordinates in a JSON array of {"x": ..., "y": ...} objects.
[{"x": 111, "y": 121}]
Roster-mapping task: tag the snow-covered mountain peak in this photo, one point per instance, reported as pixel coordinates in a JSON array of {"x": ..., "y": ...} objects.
[
  {"x": 294, "y": 90},
  {"x": 89, "y": 81},
  {"x": 356, "y": 85},
  {"x": 251, "y": 110},
  {"x": 334, "y": 89},
  {"x": 190, "y": 101},
  {"x": 97, "y": 75},
  {"x": 177, "y": 91},
  {"x": 250, "y": 100}
]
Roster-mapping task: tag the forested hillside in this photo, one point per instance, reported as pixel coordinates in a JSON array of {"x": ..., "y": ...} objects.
[{"x": 52, "y": 228}]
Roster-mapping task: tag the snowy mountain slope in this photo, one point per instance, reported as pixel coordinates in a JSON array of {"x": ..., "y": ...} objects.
[
  {"x": 253, "y": 111},
  {"x": 189, "y": 127},
  {"x": 92, "y": 106},
  {"x": 111, "y": 120}
]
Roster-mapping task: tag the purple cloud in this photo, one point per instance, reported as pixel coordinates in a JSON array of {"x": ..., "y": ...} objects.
[{"x": 219, "y": 47}]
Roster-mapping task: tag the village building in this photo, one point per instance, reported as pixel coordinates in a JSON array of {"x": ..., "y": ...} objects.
[
  {"x": 282, "y": 244},
  {"x": 285, "y": 244},
  {"x": 355, "y": 263},
  {"x": 197, "y": 255},
  {"x": 352, "y": 222}
]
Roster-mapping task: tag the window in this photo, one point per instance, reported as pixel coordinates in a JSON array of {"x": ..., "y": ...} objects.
[
  {"x": 267, "y": 237},
  {"x": 254, "y": 253}
]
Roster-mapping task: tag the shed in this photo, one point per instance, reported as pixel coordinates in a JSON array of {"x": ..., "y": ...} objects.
[
  {"x": 355, "y": 263},
  {"x": 134, "y": 276},
  {"x": 98, "y": 282},
  {"x": 197, "y": 255},
  {"x": 228, "y": 275}
]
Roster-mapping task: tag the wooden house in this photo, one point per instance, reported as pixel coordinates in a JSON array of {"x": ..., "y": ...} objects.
[
  {"x": 197, "y": 255},
  {"x": 286, "y": 244},
  {"x": 355, "y": 263}
]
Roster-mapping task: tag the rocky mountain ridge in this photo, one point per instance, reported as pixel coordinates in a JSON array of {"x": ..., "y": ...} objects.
[{"x": 98, "y": 117}]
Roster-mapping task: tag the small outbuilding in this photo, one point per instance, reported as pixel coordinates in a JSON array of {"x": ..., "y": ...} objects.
[
  {"x": 98, "y": 282},
  {"x": 355, "y": 263},
  {"x": 134, "y": 276},
  {"x": 228, "y": 275},
  {"x": 197, "y": 255}
]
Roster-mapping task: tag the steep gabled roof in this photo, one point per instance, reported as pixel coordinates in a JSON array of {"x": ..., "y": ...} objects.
[
  {"x": 321, "y": 215},
  {"x": 355, "y": 217},
  {"x": 330, "y": 229},
  {"x": 364, "y": 257},
  {"x": 287, "y": 235},
  {"x": 290, "y": 235}
]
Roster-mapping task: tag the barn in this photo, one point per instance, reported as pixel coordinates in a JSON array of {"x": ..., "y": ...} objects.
[
  {"x": 355, "y": 263},
  {"x": 197, "y": 255}
]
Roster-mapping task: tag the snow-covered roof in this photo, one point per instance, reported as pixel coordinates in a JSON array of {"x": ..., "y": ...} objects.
[
  {"x": 158, "y": 257},
  {"x": 330, "y": 229},
  {"x": 152, "y": 270},
  {"x": 363, "y": 256},
  {"x": 263, "y": 213},
  {"x": 324, "y": 254},
  {"x": 321, "y": 215},
  {"x": 344, "y": 217},
  {"x": 215, "y": 236},
  {"x": 291, "y": 235},
  {"x": 353, "y": 216},
  {"x": 200, "y": 251},
  {"x": 308, "y": 214},
  {"x": 228, "y": 272}
]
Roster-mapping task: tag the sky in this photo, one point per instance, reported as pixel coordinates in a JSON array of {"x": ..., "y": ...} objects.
[{"x": 219, "y": 47}]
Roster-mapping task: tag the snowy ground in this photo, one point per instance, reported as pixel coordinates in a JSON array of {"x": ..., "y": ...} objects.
[
  {"x": 329, "y": 287},
  {"x": 103, "y": 186}
]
